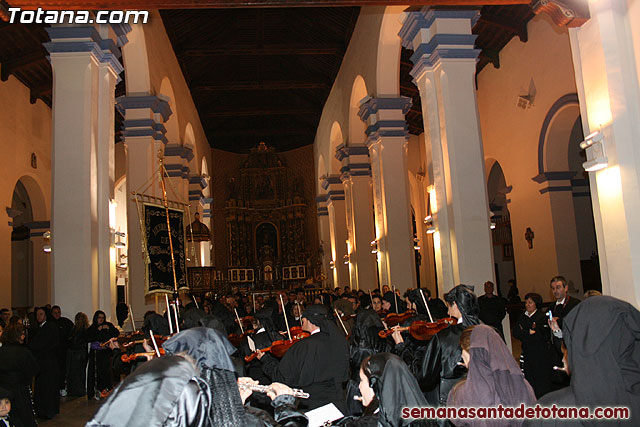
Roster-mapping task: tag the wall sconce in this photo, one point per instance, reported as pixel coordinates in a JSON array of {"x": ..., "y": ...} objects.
[
  {"x": 492, "y": 224},
  {"x": 332, "y": 264},
  {"x": 428, "y": 221},
  {"x": 374, "y": 246},
  {"x": 119, "y": 243},
  {"x": 596, "y": 156},
  {"x": 416, "y": 244},
  {"x": 123, "y": 261},
  {"x": 47, "y": 241},
  {"x": 346, "y": 259}
]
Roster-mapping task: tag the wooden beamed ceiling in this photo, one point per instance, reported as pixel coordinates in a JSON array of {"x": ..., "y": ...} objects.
[{"x": 258, "y": 73}]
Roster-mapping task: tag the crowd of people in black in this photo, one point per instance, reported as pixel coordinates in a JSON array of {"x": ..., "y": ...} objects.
[{"x": 337, "y": 346}]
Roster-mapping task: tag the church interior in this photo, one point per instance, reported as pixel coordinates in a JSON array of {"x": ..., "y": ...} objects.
[{"x": 358, "y": 144}]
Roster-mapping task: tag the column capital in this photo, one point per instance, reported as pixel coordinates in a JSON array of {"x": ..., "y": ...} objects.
[
  {"x": 149, "y": 112},
  {"x": 355, "y": 161},
  {"x": 86, "y": 39},
  {"x": 156, "y": 103},
  {"x": 177, "y": 150},
  {"x": 437, "y": 34},
  {"x": 385, "y": 117},
  {"x": 328, "y": 180}
]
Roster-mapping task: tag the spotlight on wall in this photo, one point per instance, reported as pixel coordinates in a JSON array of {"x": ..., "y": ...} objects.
[
  {"x": 374, "y": 246},
  {"x": 596, "y": 156},
  {"x": 428, "y": 221},
  {"x": 47, "y": 241},
  {"x": 119, "y": 243},
  {"x": 416, "y": 244},
  {"x": 346, "y": 259},
  {"x": 332, "y": 264},
  {"x": 492, "y": 225}
]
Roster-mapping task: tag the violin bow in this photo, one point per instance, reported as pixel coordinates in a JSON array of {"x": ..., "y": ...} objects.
[
  {"x": 396, "y": 297},
  {"x": 166, "y": 299},
  {"x": 370, "y": 299},
  {"x": 340, "y": 320},
  {"x": 426, "y": 305},
  {"x": 286, "y": 321},
  {"x": 154, "y": 343},
  {"x": 239, "y": 321}
]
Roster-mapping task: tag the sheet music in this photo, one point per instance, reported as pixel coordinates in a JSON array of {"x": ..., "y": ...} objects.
[
  {"x": 319, "y": 416},
  {"x": 252, "y": 345}
]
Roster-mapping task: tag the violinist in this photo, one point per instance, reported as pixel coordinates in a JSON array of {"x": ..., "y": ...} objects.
[
  {"x": 441, "y": 366},
  {"x": 318, "y": 364},
  {"x": 266, "y": 333},
  {"x": 376, "y": 303}
]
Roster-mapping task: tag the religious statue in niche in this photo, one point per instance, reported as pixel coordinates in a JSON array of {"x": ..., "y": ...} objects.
[{"x": 264, "y": 189}]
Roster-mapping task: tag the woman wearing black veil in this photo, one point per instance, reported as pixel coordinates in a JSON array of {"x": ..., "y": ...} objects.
[
  {"x": 387, "y": 386},
  {"x": 210, "y": 349},
  {"x": 441, "y": 366},
  {"x": 99, "y": 371}
]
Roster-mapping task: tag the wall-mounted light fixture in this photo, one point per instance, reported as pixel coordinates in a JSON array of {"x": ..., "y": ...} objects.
[
  {"x": 596, "y": 156},
  {"x": 47, "y": 241},
  {"x": 119, "y": 243},
  {"x": 374, "y": 246},
  {"x": 492, "y": 224},
  {"x": 428, "y": 221},
  {"x": 416, "y": 243},
  {"x": 346, "y": 259},
  {"x": 332, "y": 264}
]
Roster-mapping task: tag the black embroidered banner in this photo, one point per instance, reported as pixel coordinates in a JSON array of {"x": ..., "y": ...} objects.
[{"x": 159, "y": 275}]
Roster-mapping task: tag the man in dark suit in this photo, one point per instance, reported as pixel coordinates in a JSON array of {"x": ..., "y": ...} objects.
[{"x": 559, "y": 309}]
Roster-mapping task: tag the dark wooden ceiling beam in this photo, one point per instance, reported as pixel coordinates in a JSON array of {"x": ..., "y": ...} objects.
[
  {"x": 261, "y": 50},
  {"x": 260, "y": 132},
  {"x": 273, "y": 85},
  {"x": 213, "y": 4},
  {"x": 38, "y": 92},
  {"x": 248, "y": 112},
  {"x": 507, "y": 24},
  {"x": 11, "y": 65}
]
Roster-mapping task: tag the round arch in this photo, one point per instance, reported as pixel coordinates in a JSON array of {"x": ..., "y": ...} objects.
[
  {"x": 389, "y": 48},
  {"x": 557, "y": 127},
  {"x": 357, "y": 127},
  {"x": 172, "y": 125},
  {"x": 335, "y": 139},
  {"x": 204, "y": 171},
  {"x": 136, "y": 62}
]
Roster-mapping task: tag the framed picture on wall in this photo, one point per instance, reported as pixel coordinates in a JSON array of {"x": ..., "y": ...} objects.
[
  {"x": 294, "y": 272},
  {"x": 286, "y": 274},
  {"x": 301, "y": 272},
  {"x": 249, "y": 275},
  {"x": 234, "y": 275}
]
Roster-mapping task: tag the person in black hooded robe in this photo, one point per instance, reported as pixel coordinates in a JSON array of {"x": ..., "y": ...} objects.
[
  {"x": 318, "y": 364},
  {"x": 602, "y": 338},
  {"x": 210, "y": 350},
  {"x": 266, "y": 334},
  {"x": 441, "y": 366},
  {"x": 408, "y": 348},
  {"x": 99, "y": 369},
  {"x": 44, "y": 345},
  {"x": 166, "y": 391},
  {"x": 386, "y": 386}
]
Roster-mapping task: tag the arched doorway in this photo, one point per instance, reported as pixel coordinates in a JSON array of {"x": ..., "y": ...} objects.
[
  {"x": 501, "y": 235},
  {"x": 21, "y": 249}
]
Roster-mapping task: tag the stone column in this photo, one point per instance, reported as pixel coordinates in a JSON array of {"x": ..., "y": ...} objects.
[
  {"x": 444, "y": 71},
  {"x": 85, "y": 68},
  {"x": 324, "y": 233},
  {"x": 144, "y": 137},
  {"x": 605, "y": 53},
  {"x": 387, "y": 143},
  {"x": 338, "y": 230},
  {"x": 356, "y": 179}
]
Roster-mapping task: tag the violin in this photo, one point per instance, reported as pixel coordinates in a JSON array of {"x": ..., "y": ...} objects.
[
  {"x": 127, "y": 340},
  {"x": 236, "y": 339},
  {"x": 421, "y": 329},
  {"x": 393, "y": 319},
  {"x": 279, "y": 348},
  {"x": 127, "y": 358}
]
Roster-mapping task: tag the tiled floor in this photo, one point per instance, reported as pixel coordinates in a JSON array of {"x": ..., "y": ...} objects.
[{"x": 74, "y": 412}]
